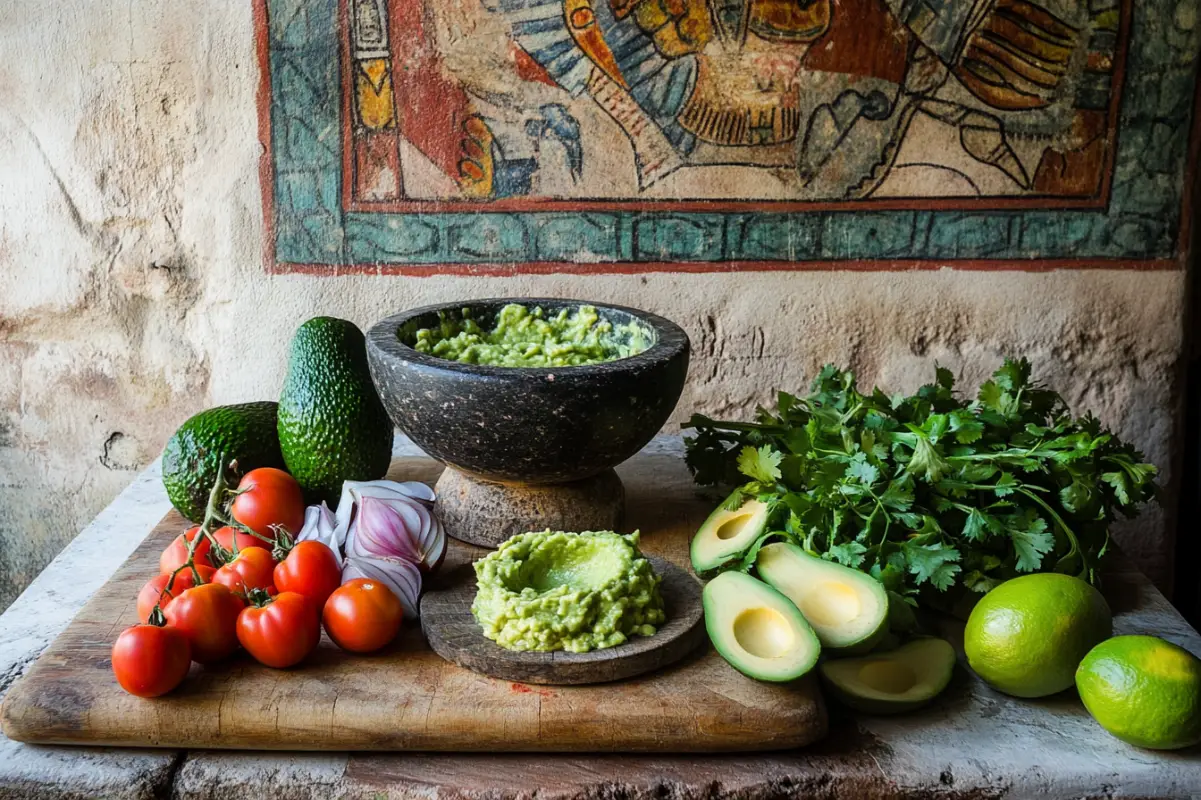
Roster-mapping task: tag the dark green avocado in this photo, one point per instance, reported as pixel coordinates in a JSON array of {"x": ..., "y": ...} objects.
[
  {"x": 192, "y": 459},
  {"x": 332, "y": 424}
]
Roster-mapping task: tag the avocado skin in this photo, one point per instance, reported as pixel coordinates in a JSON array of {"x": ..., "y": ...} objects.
[
  {"x": 192, "y": 458},
  {"x": 332, "y": 424}
]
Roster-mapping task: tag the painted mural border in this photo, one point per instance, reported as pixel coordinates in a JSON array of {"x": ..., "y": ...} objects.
[{"x": 1142, "y": 225}]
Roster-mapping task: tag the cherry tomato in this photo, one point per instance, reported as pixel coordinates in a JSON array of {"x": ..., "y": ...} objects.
[
  {"x": 208, "y": 616},
  {"x": 227, "y": 537},
  {"x": 362, "y": 615},
  {"x": 269, "y": 496},
  {"x": 176, "y": 554},
  {"x": 155, "y": 591},
  {"x": 251, "y": 569},
  {"x": 150, "y": 660},
  {"x": 311, "y": 569},
  {"x": 281, "y": 631}
]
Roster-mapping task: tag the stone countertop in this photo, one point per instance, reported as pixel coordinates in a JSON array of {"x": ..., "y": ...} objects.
[{"x": 973, "y": 742}]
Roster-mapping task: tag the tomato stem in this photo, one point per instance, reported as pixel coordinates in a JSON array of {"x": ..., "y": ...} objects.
[{"x": 258, "y": 598}]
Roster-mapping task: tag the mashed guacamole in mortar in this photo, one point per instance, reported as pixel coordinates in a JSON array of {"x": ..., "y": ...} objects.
[
  {"x": 552, "y": 590},
  {"x": 527, "y": 337}
]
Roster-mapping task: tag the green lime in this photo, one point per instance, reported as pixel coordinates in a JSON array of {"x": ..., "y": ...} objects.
[
  {"x": 1144, "y": 691},
  {"x": 1027, "y": 636}
]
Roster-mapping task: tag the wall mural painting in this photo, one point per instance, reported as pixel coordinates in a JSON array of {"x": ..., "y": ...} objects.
[{"x": 510, "y": 135}]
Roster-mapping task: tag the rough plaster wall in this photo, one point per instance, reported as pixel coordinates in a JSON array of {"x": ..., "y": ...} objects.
[{"x": 132, "y": 291}]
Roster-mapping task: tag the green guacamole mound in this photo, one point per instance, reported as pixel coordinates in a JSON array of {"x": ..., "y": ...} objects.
[
  {"x": 525, "y": 337},
  {"x": 552, "y": 590}
]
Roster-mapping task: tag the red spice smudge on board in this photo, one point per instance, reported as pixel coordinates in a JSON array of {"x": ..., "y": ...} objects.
[{"x": 521, "y": 688}]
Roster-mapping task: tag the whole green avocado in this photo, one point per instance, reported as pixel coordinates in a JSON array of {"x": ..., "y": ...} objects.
[
  {"x": 332, "y": 424},
  {"x": 192, "y": 459}
]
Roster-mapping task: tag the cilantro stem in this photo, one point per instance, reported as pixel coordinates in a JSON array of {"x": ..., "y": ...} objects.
[{"x": 1063, "y": 526}]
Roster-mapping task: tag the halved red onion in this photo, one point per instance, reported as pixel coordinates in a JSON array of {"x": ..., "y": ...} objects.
[{"x": 411, "y": 503}]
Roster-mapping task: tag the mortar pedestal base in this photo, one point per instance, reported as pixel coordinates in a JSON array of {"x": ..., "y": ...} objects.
[{"x": 485, "y": 513}]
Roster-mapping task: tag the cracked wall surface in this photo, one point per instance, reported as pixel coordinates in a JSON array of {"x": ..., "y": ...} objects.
[{"x": 133, "y": 292}]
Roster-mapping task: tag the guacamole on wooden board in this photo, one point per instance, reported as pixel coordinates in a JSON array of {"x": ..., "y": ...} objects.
[
  {"x": 527, "y": 337},
  {"x": 552, "y": 590}
]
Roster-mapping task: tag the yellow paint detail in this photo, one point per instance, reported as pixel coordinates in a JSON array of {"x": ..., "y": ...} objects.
[
  {"x": 763, "y": 632},
  {"x": 831, "y": 603},
  {"x": 373, "y": 94},
  {"x": 476, "y": 167}
]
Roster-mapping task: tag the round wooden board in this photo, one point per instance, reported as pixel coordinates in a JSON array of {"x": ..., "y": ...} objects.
[{"x": 454, "y": 634}]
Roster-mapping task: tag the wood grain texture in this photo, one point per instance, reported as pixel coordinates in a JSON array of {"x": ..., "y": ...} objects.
[
  {"x": 451, "y": 630},
  {"x": 407, "y": 697}
]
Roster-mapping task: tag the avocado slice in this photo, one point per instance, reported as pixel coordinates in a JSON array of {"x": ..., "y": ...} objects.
[
  {"x": 757, "y": 630},
  {"x": 893, "y": 682},
  {"x": 727, "y": 534},
  {"x": 847, "y": 608},
  {"x": 192, "y": 459},
  {"x": 332, "y": 424}
]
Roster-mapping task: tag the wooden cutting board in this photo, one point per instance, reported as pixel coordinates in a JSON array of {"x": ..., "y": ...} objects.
[{"x": 407, "y": 697}]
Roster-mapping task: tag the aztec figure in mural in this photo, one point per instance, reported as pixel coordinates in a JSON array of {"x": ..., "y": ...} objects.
[{"x": 803, "y": 100}]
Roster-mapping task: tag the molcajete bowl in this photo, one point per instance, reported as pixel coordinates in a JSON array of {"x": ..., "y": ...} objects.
[{"x": 528, "y": 425}]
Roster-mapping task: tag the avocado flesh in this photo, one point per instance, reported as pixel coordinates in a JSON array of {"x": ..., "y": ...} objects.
[
  {"x": 726, "y": 534},
  {"x": 893, "y": 682},
  {"x": 332, "y": 425},
  {"x": 192, "y": 459},
  {"x": 757, "y": 630},
  {"x": 848, "y": 609}
]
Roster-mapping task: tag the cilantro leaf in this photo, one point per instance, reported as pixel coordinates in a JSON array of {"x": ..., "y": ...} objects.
[
  {"x": 1006, "y": 485},
  {"x": 762, "y": 465},
  {"x": 849, "y": 554},
  {"x": 860, "y": 470},
  {"x": 898, "y": 495},
  {"x": 926, "y": 461},
  {"x": 931, "y": 561},
  {"x": 1031, "y": 542},
  {"x": 979, "y": 525}
]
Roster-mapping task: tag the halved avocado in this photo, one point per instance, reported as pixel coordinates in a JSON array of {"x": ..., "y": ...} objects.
[
  {"x": 726, "y": 534},
  {"x": 757, "y": 629},
  {"x": 847, "y": 608},
  {"x": 893, "y": 682}
]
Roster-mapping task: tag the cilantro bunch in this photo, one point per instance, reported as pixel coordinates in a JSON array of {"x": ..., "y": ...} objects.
[{"x": 930, "y": 492}]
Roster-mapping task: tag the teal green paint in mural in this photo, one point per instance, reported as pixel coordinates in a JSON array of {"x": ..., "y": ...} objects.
[{"x": 654, "y": 153}]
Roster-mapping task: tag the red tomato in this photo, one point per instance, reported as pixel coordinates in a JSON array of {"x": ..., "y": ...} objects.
[
  {"x": 227, "y": 537},
  {"x": 176, "y": 554},
  {"x": 362, "y": 615},
  {"x": 269, "y": 496},
  {"x": 150, "y": 660},
  {"x": 282, "y": 631},
  {"x": 155, "y": 591},
  {"x": 311, "y": 569},
  {"x": 208, "y": 616},
  {"x": 250, "y": 569}
]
